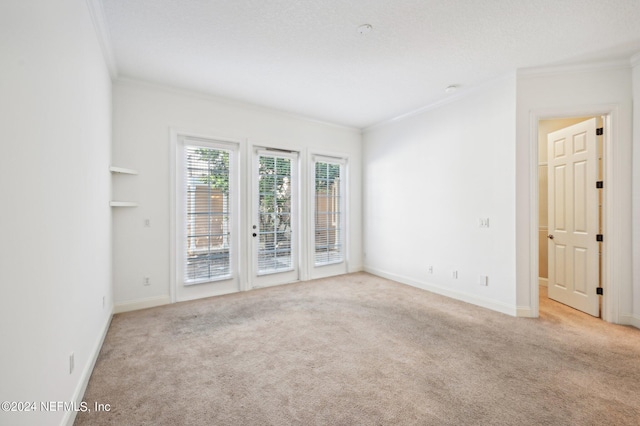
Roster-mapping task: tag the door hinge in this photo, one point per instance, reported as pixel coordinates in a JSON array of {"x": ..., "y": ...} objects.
[
  {"x": 599, "y": 291},
  {"x": 599, "y": 184},
  {"x": 599, "y": 131},
  {"x": 599, "y": 237}
]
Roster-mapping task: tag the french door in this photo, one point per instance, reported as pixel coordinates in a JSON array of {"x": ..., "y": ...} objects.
[
  {"x": 207, "y": 218},
  {"x": 221, "y": 189},
  {"x": 275, "y": 231}
]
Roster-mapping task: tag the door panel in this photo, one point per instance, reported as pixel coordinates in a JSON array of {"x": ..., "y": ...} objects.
[
  {"x": 560, "y": 257},
  {"x": 580, "y": 269},
  {"x": 580, "y": 198},
  {"x": 558, "y": 207},
  {"x": 573, "y": 218}
]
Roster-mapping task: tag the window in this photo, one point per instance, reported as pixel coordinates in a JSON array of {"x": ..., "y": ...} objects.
[
  {"x": 208, "y": 216},
  {"x": 329, "y": 211}
]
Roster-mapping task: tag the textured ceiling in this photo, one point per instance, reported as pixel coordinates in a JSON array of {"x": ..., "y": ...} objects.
[{"x": 307, "y": 57}]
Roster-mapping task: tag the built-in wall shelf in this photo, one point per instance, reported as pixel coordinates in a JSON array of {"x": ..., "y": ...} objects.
[
  {"x": 123, "y": 204},
  {"x": 116, "y": 169}
]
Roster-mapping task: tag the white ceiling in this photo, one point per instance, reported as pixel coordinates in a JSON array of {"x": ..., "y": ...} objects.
[{"x": 307, "y": 57}]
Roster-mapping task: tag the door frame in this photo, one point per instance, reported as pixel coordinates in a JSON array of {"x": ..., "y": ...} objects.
[
  {"x": 296, "y": 220},
  {"x": 253, "y": 144},
  {"x": 198, "y": 291},
  {"x": 611, "y": 223},
  {"x": 328, "y": 270}
]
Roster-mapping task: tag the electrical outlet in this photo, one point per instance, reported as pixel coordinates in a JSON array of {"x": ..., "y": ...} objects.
[
  {"x": 146, "y": 281},
  {"x": 430, "y": 269},
  {"x": 454, "y": 274},
  {"x": 147, "y": 223},
  {"x": 483, "y": 222},
  {"x": 483, "y": 280},
  {"x": 71, "y": 363},
  {"x": 103, "y": 302}
]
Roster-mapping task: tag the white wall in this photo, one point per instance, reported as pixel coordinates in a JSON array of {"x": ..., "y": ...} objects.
[
  {"x": 428, "y": 180},
  {"x": 55, "y": 221},
  {"x": 143, "y": 117},
  {"x": 561, "y": 93}
]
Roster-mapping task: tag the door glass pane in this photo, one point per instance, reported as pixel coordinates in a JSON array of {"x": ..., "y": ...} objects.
[
  {"x": 274, "y": 214},
  {"x": 328, "y": 214},
  {"x": 208, "y": 216}
]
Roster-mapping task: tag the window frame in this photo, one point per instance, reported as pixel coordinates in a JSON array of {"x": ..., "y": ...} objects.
[
  {"x": 180, "y": 226},
  {"x": 342, "y": 161}
]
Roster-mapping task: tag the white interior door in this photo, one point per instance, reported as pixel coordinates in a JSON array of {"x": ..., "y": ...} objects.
[
  {"x": 275, "y": 230},
  {"x": 573, "y": 216}
]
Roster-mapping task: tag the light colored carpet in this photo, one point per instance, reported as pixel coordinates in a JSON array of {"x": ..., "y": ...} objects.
[{"x": 362, "y": 350}]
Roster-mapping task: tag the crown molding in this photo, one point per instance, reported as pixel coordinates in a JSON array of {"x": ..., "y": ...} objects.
[
  {"x": 236, "y": 103},
  {"x": 573, "y": 68},
  {"x": 102, "y": 32},
  {"x": 463, "y": 93}
]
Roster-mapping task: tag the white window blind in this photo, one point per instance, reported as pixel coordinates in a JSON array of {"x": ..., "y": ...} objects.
[
  {"x": 329, "y": 211},
  {"x": 207, "y": 189}
]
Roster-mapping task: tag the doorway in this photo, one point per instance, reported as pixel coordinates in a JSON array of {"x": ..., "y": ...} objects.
[{"x": 570, "y": 162}]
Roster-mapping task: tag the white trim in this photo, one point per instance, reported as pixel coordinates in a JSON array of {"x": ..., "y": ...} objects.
[
  {"x": 630, "y": 319},
  {"x": 173, "y": 167},
  {"x": 70, "y": 416},
  {"x": 231, "y": 102},
  {"x": 298, "y": 212},
  {"x": 612, "y": 222},
  {"x": 534, "y": 221},
  {"x": 181, "y": 291},
  {"x": 122, "y": 170},
  {"x": 525, "y": 312},
  {"x": 134, "y": 305},
  {"x": 342, "y": 267},
  {"x": 246, "y": 217},
  {"x": 544, "y": 282},
  {"x": 355, "y": 268},
  {"x": 281, "y": 144},
  {"x": 174, "y": 134},
  {"x": 483, "y": 302},
  {"x": 96, "y": 12},
  {"x": 123, "y": 204},
  {"x": 573, "y": 68},
  {"x": 462, "y": 93}
]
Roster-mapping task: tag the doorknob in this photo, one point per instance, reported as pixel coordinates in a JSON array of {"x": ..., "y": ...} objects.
[{"x": 550, "y": 237}]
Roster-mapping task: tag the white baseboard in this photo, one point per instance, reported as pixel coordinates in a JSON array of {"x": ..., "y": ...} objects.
[
  {"x": 458, "y": 295},
  {"x": 134, "y": 305},
  {"x": 70, "y": 415},
  {"x": 544, "y": 282},
  {"x": 524, "y": 312},
  {"x": 630, "y": 319},
  {"x": 355, "y": 268}
]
